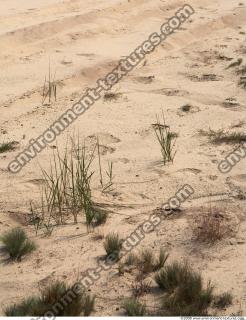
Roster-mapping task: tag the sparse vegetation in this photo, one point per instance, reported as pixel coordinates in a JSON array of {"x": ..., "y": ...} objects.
[
  {"x": 134, "y": 308},
  {"x": 108, "y": 185},
  {"x": 220, "y": 136},
  {"x": 140, "y": 287},
  {"x": 67, "y": 190},
  {"x": 112, "y": 245},
  {"x": 223, "y": 300},
  {"x": 210, "y": 227},
  {"x": 16, "y": 244},
  {"x": 185, "y": 291},
  {"x": 49, "y": 87},
  {"x": 166, "y": 140},
  {"x": 7, "y": 146},
  {"x": 147, "y": 261},
  {"x": 57, "y": 293}
]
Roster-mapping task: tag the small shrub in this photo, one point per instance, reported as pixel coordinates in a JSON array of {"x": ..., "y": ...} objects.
[
  {"x": 185, "y": 293},
  {"x": 7, "y": 146},
  {"x": 134, "y": 308},
  {"x": 56, "y": 293},
  {"x": 16, "y": 244},
  {"x": 113, "y": 244},
  {"x": 210, "y": 227},
  {"x": 223, "y": 300}
]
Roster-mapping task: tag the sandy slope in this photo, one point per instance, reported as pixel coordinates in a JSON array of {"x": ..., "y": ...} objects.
[{"x": 83, "y": 40}]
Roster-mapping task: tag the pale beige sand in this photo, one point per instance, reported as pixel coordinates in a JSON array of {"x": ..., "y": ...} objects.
[{"x": 83, "y": 40}]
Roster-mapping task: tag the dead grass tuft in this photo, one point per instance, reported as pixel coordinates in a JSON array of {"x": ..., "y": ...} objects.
[{"x": 211, "y": 227}]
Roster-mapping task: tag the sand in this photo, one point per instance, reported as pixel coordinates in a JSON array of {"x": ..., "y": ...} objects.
[{"x": 83, "y": 40}]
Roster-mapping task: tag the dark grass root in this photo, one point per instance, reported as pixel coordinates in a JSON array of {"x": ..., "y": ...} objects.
[
  {"x": 7, "y": 146},
  {"x": 16, "y": 244},
  {"x": 186, "y": 108},
  {"x": 220, "y": 136},
  {"x": 109, "y": 96},
  {"x": 223, "y": 300},
  {"x": 57, "y": 294}
]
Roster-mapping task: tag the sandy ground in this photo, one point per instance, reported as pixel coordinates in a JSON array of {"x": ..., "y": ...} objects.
[{"x": 83, "y": 40}]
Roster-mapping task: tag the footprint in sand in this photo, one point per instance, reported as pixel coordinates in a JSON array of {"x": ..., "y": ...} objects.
[
  {"x": 145, "y": 80},
  {"x": 104, "y": 138},
  {"x": 187, "y": 109},
  {"x": 171, "y": 92}
]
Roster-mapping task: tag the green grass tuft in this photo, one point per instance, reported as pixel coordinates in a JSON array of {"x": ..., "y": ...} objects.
[
  {"x": 7, "y": 146},
  {"x": 166, "y": 140},
  {"x": 134, "y": 308},
  {"x": 57, "y": 298},
  {"x": 185, "y": 293},
  {"x": 16, "y": 244},
  {"x": 113, "y": 245}
]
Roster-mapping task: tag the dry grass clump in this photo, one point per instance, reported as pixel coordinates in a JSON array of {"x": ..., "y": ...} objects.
[
  {"x": 220, "y": 136},
  {"x": 7, "y": 146},
  {"x": 211, "y": 227},
  {"x": 130, "y": 260},
  {"x": 185, "y": 291},
  {"x": 16, "y": 244},
  {"x": 57, "y": 298},
  {"x": 113, "y": 245},
  {"x": 166, "y": 140},
  {"x": 134, "y": 308}
]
